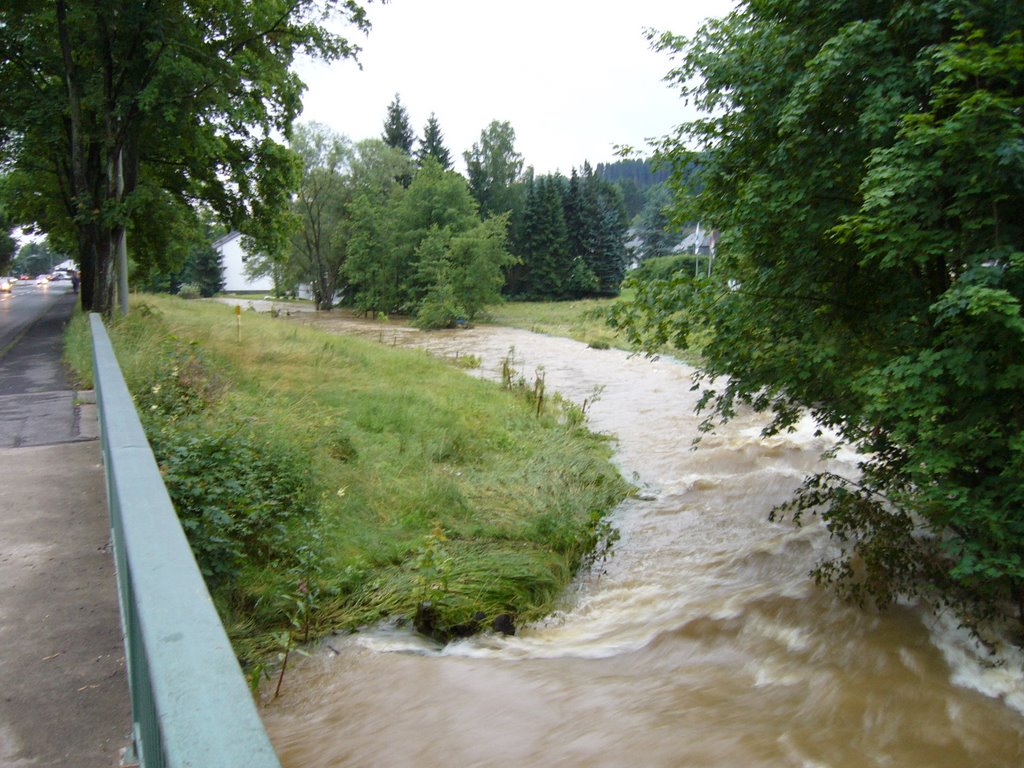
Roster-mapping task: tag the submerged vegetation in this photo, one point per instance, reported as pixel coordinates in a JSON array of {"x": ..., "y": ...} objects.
[{"x": 327, "y": 482}]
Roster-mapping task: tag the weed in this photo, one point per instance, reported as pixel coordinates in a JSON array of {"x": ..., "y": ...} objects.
[
  {"x": 189, "y": 291},
  {"x": 467, "y": 361},
  {"x": 433, "y": 566}
]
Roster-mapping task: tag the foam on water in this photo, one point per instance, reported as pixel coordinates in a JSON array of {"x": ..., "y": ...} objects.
[{"x": 996, "y": 671}]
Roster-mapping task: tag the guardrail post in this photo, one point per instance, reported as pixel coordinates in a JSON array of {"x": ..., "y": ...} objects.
[{"x": 190, "y": 703}]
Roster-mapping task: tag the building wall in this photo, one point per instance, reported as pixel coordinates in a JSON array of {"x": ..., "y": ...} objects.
[{"x": 236, "y": 280}]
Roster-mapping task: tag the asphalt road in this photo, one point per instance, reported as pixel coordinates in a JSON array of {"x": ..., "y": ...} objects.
[
  {"x": 25, "y": 303},
  {"x": 37, "y": 405}
]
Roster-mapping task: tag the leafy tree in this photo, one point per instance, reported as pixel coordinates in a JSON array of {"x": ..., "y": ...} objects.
[
  {"x": 432, "y": 144},
  {"x": 436, "y": 206},
  {"x": 398, "y": 132},
  {"x": 664, "y": 268},
  {"x": 426, "y": 252},
  {"x": 375, "y": 180},
  {"x": 318, "y": 253},
  {"x": 115, "y": 112},
  {"x": 462, "y": 272},
  {"x": 339, "y": 182},
  {"x": 870, "y": 271},
  {"x": 202, "y": 269},
  {"x": 171, "y": 239},
  {"x": 8, "y": 245},
  {"x": 493, "y": 165},
  {"x": 372, "y": 269}
]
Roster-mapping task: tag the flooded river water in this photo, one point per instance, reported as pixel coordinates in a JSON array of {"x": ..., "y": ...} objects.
[{"x": 702, "y": 642}]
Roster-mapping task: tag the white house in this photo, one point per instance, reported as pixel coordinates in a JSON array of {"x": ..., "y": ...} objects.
[{"x": 233, "y": 258}]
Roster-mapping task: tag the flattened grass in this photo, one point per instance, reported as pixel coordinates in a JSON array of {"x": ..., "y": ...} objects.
[{"x": 424, "y": 484}]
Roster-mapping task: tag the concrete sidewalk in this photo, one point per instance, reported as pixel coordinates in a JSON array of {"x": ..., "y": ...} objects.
[{"x": 63, "y": 692}]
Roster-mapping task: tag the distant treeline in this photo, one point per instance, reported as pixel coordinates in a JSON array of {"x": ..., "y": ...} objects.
[{"x": 640, "y": 172}]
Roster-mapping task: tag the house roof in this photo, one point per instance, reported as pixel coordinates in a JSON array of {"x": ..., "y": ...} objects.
[{"x": 233, "y": 234}]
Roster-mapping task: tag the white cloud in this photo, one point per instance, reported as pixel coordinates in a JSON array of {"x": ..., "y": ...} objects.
[{"x": 573, "y": 78}]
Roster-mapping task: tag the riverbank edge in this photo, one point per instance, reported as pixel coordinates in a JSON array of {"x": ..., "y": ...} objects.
[{"x": 589, "y": 530}]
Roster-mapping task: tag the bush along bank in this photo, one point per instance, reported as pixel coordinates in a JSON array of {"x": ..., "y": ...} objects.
[{"x": 326, "y": 482}]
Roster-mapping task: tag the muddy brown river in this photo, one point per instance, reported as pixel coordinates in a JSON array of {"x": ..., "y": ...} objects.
[{"x": 702, "y": 642}]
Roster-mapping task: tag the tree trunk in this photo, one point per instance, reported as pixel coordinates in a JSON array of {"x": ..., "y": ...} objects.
[{"x": 96, "y": 261}]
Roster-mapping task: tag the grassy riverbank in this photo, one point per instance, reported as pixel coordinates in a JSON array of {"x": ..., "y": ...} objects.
[
  {"x": 327, "y": 482},
  {"x": 583, "y": 320}
]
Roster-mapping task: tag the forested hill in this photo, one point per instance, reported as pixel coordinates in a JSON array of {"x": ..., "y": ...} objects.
[{"x": 639, "y": 172}]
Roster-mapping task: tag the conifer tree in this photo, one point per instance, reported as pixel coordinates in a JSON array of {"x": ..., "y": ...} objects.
[
  {"x": 596, "y": 220},
  {"x": 204, "y": 268},
  {"x": 432, "y": 145},
  {"x": 398, "y": 132},
  {"x": 609, "y": 255},
  {"x": 547, "y": 261},
  {"x": 573, "y": 216},
  {"x": 654, "y": 227}
]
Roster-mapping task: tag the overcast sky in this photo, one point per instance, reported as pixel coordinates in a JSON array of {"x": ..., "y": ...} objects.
[{"x": 574, "y": 78}]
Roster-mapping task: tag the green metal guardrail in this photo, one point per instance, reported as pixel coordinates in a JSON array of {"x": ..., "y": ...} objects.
[{"x": 190, "y": 703}]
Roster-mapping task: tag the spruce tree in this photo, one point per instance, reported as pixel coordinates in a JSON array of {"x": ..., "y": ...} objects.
[
  {"x": 547, "y": 262},
  {"x": 398, "y": 132},
  {"x": 432, "y": 145},
  {"x": 596, "y": 220},
  {"x": 573, "y": 217},
  {"x": 654, "y": 227},
  {"x": 204, "y": 268},
  {"x": 556, "y": 266}
]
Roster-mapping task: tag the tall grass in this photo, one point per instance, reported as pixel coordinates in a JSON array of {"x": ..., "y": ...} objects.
[
  {"x": 418, "y": 483},
  {"x": 586, "y": 321},
  {"x": 583, "y": 320}
]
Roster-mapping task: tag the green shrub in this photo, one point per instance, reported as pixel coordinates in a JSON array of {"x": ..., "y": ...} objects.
[
  {"x": 235, "y": 495},
  {"x": 663, "y": 268},
  {"x": 440, "y": 308}
]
